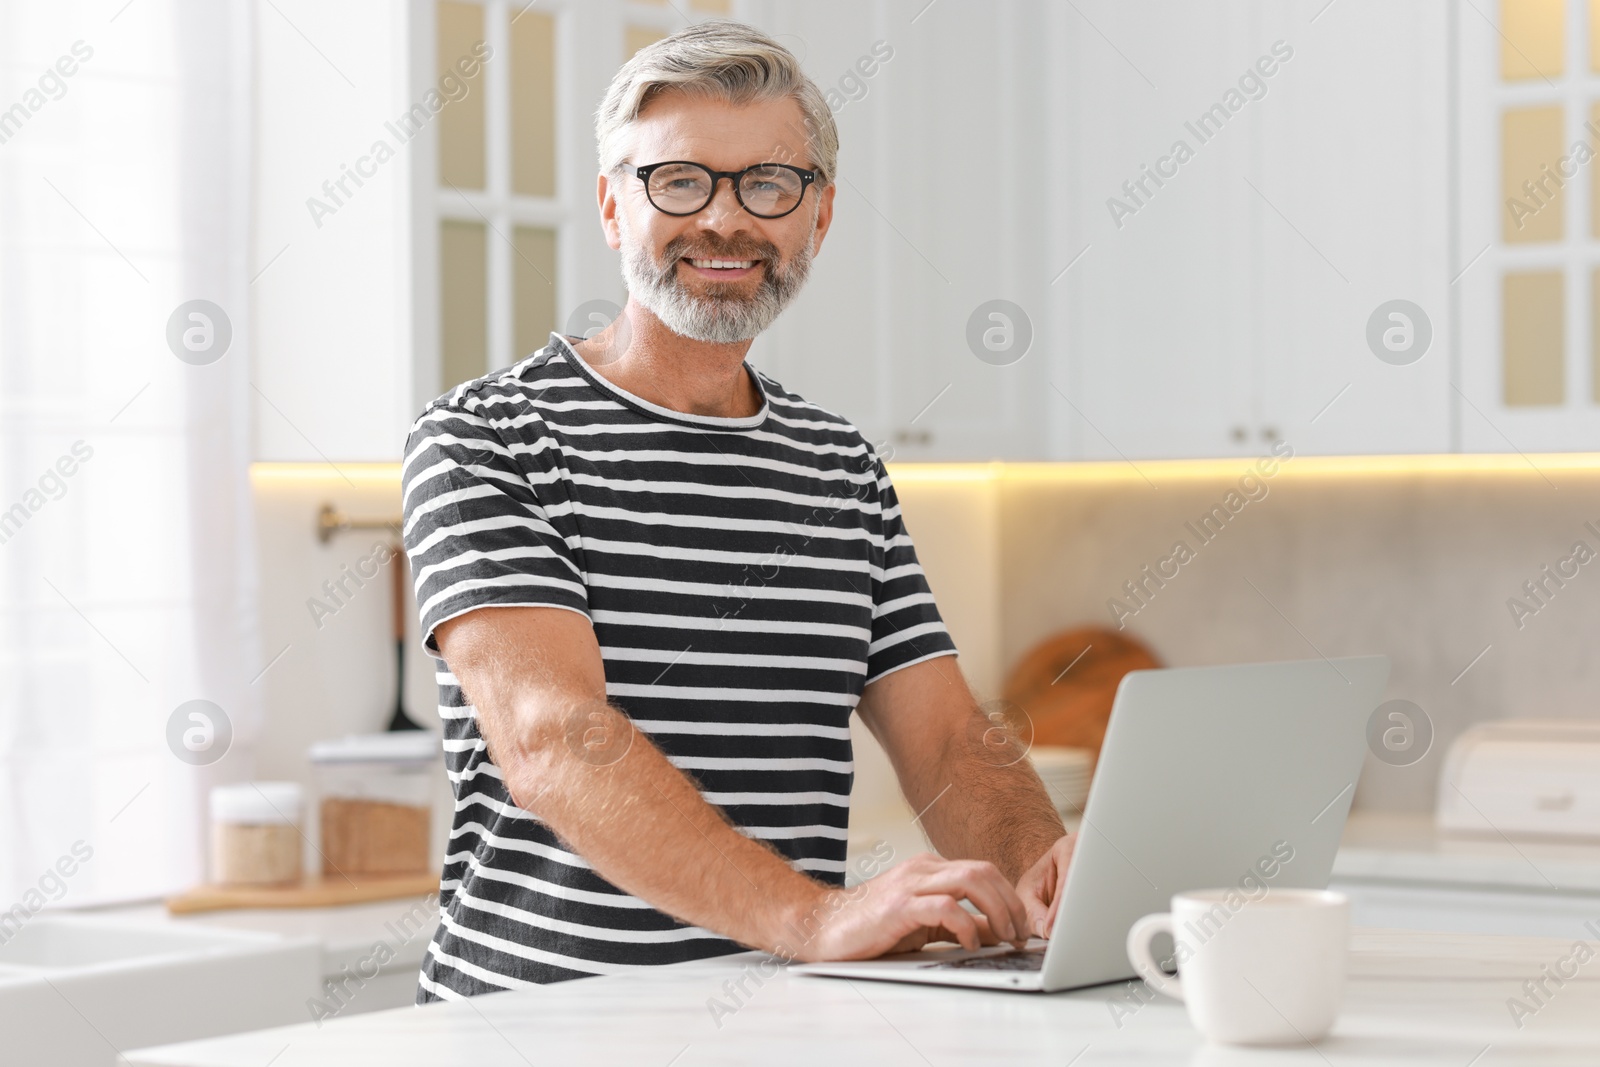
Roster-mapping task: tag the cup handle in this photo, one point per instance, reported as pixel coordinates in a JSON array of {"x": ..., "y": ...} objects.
[{"x": 1139, "y": 936}]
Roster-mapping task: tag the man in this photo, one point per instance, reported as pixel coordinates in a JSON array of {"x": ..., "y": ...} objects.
[{"x": 660, "y": 583}]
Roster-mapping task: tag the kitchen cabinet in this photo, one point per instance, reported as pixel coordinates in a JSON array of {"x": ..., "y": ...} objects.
[
  {"x": 1352, "y": 171},
  {"x": 1157, "y": 315},
  {"x": 1529, "y": 223},
  {"x": 1225, "y": 305},
  {"x": 943, "y": 183},
  {"x": 1160, "y": 303},
  {"x": 362, "y": 241},
  {"x": 926, "y": 230},
  {"x": 330, "y": 319}
]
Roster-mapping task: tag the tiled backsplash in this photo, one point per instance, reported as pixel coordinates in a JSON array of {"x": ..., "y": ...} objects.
[{"x": 1414, "y": 559}]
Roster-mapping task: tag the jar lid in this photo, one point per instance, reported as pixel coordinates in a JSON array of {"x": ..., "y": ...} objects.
[
  {"x": 257, "y": 802},
  {"x": 401, "y": 746}
]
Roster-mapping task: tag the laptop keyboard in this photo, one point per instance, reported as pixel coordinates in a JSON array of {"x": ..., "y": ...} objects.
[{"x": 1024, "y": 959}]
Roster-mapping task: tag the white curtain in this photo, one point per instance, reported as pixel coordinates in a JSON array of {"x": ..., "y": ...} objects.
[{"x": 127, "y": 574}]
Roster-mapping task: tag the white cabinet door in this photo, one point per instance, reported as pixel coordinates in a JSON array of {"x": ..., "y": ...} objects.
[
  {"x": 1159, "y": 311},
  {"x": 964, "y": 169},
  {"x": 941, "y": 192},
  {"x": 1284, "y": 177},
  {"x": 831, "y": 345},
  {"x": 1350, "y": 181},
  {"x": 331, "y": 286}
]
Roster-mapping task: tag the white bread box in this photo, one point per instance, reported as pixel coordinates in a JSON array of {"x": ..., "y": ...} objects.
[{"x": 1527, "y": 777}]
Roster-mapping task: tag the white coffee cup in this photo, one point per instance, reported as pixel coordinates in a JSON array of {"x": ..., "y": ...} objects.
[{"x": 1268, "y": 971}]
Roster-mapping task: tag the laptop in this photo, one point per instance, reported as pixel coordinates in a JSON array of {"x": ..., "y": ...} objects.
[{"x": 1209, "y": 777}]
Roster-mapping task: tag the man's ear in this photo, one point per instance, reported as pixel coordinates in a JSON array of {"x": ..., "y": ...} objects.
[
  {"x": 608, "y": 211},
  {"x": 824, "y": 216}
]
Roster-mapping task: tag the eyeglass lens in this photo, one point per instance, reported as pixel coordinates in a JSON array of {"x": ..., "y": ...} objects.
[{"x": 687, "y": 187}]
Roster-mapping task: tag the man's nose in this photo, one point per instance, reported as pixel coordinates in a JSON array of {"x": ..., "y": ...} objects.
[{"x": 724, "y": 211}]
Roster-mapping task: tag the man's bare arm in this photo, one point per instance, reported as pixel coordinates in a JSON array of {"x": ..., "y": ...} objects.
[
  {"x": 537, "y": 681},
  {"x": 979, "y": 797}
]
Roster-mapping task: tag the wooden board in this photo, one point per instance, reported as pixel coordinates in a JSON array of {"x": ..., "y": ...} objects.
[
  {"x": 311, "y": 893},
  {"x": 1064, "y": 685}
]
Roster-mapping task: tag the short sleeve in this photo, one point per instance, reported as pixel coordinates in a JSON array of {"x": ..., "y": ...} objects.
[
  {"x": 477, "y": 520},
  {"x": 906, "y": 625}
]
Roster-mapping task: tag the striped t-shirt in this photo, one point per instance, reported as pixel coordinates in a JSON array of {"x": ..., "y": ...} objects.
[{"x": 745, "y": 578}]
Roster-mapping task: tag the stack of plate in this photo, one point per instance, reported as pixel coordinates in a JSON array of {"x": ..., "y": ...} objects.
[{"x": 1065, "y": 772}]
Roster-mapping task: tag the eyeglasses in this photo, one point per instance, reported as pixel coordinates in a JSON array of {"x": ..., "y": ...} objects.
[{"x": 766, "y": 190}]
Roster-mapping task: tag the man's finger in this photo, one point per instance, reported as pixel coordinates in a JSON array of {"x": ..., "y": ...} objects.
[
  {"x": 986, "y": 887},
  {"x": 1032, "y": 891},
  {"x": 1038, "y": 918},
  {"x": 1059, "y": 876},
  {"x": 1042, "y": 886},
  {"x": 1006, "y": 914},
  {"x": 986, "y": 933},
  {"x": 944, "y": 912},
  {"x": 1050, "y": 916}
]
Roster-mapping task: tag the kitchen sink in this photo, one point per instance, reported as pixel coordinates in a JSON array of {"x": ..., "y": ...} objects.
[
  {"x": 76, "y": 990},
  {"x": 54, "y": 943}
]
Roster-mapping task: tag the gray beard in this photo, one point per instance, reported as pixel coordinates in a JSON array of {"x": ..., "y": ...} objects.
[{"x": 717, "y": 319}]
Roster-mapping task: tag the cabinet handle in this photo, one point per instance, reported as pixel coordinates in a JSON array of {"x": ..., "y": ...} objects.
[
  {"x": 1269, "y": 433},
  {"x": 1239, "y": 435}
]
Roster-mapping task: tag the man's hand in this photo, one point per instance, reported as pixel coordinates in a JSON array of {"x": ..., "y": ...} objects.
[
  {"x": 1040, "y": 889},
  {"x": 911, "y": 905}
]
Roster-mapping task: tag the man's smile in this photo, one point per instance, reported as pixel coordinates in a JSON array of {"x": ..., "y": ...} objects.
[{"x": 722, "y": 269}]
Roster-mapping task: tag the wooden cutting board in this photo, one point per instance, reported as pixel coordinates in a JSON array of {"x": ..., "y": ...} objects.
[
  {"x": 1066, "y": 683},
  {"x": 311, "y": 893}
]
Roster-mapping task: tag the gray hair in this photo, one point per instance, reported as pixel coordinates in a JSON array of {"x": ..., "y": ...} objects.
[{"x": 720, "y": 59}]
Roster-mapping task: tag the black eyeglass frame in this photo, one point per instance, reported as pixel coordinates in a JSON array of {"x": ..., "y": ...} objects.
[{"x": 807, "y": 177}]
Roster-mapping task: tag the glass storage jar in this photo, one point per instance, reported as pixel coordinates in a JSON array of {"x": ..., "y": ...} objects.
[
  {"x": 255, "y": 833},
  {"x": 375, "y": 802}
]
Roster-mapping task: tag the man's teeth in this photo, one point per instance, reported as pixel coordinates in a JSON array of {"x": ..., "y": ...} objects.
[{"x": 723, "y": 264}]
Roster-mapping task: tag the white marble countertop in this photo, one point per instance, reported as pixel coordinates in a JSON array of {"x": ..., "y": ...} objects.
[
  {"x": 1408, "y": 849},
  {"x": 1412, "y": 999}
]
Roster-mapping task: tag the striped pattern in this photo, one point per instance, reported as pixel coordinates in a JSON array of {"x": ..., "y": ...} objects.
[{"x": 745, "y": 579}]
